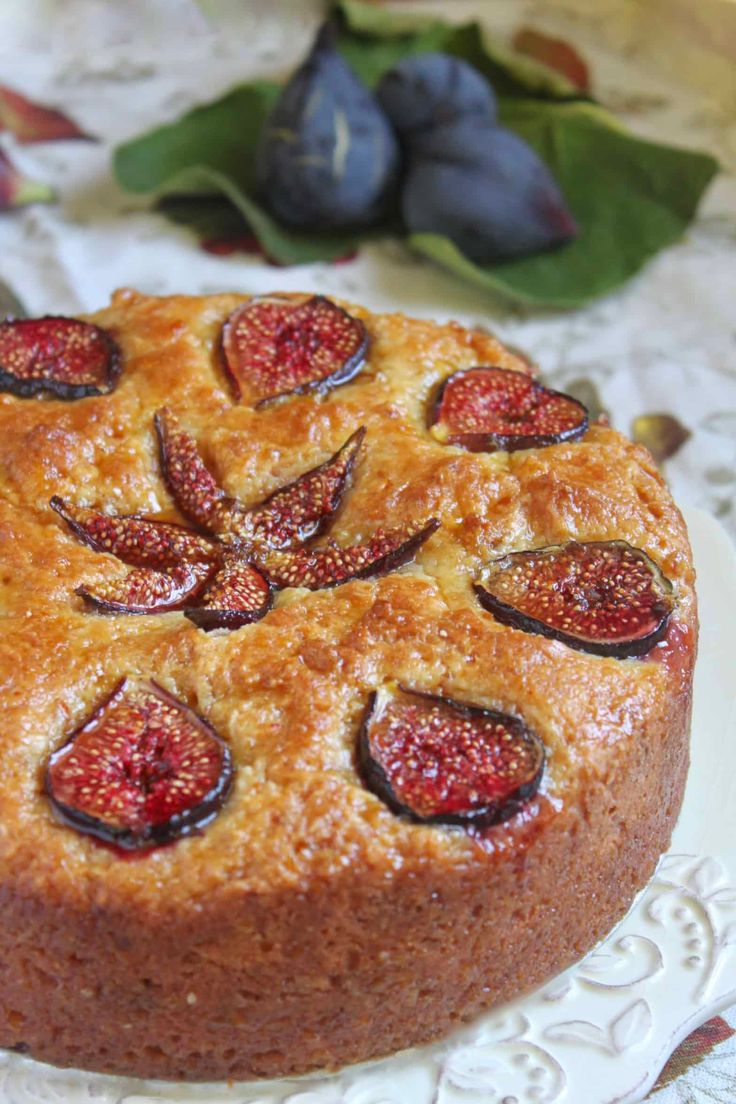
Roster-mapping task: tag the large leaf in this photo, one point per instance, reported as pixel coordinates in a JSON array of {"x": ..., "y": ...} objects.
[{"x": 630, "y": 198}]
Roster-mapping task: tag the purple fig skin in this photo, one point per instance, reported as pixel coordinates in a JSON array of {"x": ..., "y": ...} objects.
[
  {"x": 631, "y": 648},
  {"x": 376, "y": 780},
  {"x": 432, "y": 89},
  {"x": 210, "y": 619},
  {"x": 487, "y": 191},
  {"x": 328, "y": 158}
]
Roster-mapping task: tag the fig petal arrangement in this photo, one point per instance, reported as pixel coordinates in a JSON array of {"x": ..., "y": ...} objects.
[
  {"x": 327, "y": 155},
  {"x": 603, "y": 597},
  {"x": 440, "y": 761},
  {"x": 225, "y": 579},
  {"x": 144, "y": 770},
  {"x": 274, "y": 346},
  {"x": 483, "y": 409},
  {"x": 63, "y": 357}
]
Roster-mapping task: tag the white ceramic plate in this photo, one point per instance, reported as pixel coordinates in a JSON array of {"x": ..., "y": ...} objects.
[{"x": 599, "y": 1033}]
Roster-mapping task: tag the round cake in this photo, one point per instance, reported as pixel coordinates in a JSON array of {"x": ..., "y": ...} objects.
[{"x": 346, "y": 674}]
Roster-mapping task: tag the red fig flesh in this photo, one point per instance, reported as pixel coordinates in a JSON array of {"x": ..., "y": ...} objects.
[
  {"x": 135, "y": 540},
  {"x": 236, "y": 596},
  {"x": 486, "y": 409},
  {"x": 442, "y": 761},
  {"x": 315, "y": 569},
  {"x": 604, "y": 597},
  {"x": 276, "y": 346},
  {"x": 144, "y": 590},
  {"x": 63, "y": 356},
  {"x": 291, "y": 515},
  {"x": 192, "y": 485},
  {"x": 142, "y": 771},
  {"x": 301, "y": 510}
]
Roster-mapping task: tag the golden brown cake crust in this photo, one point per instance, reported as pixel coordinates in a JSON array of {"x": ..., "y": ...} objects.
[{"x": 308, "y": 926}]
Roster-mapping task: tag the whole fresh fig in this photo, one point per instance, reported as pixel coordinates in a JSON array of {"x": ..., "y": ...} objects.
[
  {"x": 328, "y": 158},
  {"x": 486, "y": 190},
  {"x": 431, "y": 89}
]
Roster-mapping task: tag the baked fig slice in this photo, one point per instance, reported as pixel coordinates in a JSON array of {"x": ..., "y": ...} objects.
[
  {"x": 292, "y": 514},
  {"x": 189, "y": 480},
  {"x": 65, "y": 357},
  {"x": 604, "y": 597},
  {"x": 442, "y": 761},
  {"x": 237, "y": 595},
  {"x": 144, "y": 590},
  {"x": 137, "y": 541},
  {"x": 485, "y": 409},
  {"x": 301, "y": 510},
  {"x": 318, "y": 568},
  {"x": 144, "y": 770},
  {"x": 274, "y": 346}
]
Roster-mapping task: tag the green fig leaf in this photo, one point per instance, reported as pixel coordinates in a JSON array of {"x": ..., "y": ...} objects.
[{"x": 630, "y": 197}]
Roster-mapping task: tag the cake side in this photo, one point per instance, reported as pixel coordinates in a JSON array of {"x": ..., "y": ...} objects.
[{"x": 308, "y": 926}]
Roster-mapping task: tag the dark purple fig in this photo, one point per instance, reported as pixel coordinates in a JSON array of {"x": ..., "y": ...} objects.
[
  {"x": 135, "y": 540},
  {"x": 441, "y": 761},
  {"x": 236, "y": 596},
  {"x": 604, "y": 597},
  {"x": 486, "y": 190},
  {"x": 142, "y": 771},
  {"x": 274, "y": 346},
  {"x": 428, "y": 90},
  {"x": 144, "y": 590},
  {"x": 67, "y": 358},
  {"x": 327, "y": 158},
  {"x": 485, "y": 409},
  {"x": 318, "y": 568}
]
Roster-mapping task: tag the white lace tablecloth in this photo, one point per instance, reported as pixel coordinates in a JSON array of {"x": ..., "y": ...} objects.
[{"x": 666, "y": 343}]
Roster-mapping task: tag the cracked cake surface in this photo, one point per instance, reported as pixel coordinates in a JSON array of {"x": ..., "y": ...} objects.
[{"x": 308, "y": 924}]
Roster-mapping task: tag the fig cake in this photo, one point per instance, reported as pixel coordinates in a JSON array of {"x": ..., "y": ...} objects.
[{"x": 346, "y": 682}]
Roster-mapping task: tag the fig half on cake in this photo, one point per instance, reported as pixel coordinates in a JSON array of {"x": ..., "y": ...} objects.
[
  {"x": 604, "y": 597},
  {"x": 276, "y": 345},
  {"x": 441, "y": 761},
  {"x": 144, "y": 770},
  {"x": 485, "y": 409},
  {"x": 63, "y": 357}
]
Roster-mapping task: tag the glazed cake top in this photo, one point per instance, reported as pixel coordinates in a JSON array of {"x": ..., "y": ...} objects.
[{"x": 288, "y": 692}]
